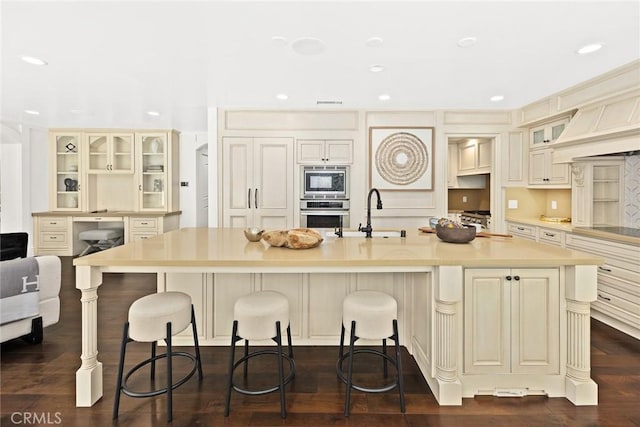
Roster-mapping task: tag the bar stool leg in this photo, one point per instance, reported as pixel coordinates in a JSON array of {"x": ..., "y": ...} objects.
[
  {"x": 399, "y": 366},
  {"x": 246, "y": 353},
  {"x": 283, "y": 407},
  {"x": 195, "y": 342},
  {"x": 352, "y": 340},
  {"x": 123, "y": 347},
  {"x": 289, "y": 341},
  {"x": 169, "y": 379},
  {"x": 342, "y": 342},
  {"x": 153, "y": 360},
  {"x": 234, "y": 338},
  {"x": 384, "y": 359}
]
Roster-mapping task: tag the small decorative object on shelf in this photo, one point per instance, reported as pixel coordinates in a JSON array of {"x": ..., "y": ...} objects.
[{"x": 71, "y": 148}]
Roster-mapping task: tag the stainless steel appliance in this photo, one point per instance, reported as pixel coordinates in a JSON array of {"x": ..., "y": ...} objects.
[
  {"x": 477, "y": 217},
  {"x": 325, "y": 182},
  {"x": 324, "y": 213},
  {"x": 324, "y": 196}
]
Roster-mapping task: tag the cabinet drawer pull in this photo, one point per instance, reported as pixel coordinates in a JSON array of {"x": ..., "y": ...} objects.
[
  {"x": 53, "y": 237},
  {"x": 604, "y": 298},
  {"x": 144, "y": 223},
  {"x": 520, "y": 228},
  {"x": 549, "y": 234},
  {"x": 608, "y": 270}
]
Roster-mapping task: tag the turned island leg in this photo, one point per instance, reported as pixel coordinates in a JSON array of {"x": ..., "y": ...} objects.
[
  {"x": 582, "y": 287},
  {"x": 89, "y": 375}
]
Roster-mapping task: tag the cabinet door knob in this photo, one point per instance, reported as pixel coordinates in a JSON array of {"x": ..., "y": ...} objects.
[
  {"x": 517, "y": 278},
  {"x": 508, "y": 278}
]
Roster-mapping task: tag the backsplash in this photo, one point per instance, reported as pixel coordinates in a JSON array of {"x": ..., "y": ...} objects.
[{"x": 632, "y": 191}]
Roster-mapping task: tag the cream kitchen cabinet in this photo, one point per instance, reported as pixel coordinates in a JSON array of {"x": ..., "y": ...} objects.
[
  {"x": 109, "y": 152},
  {"x": 53, "y": 235},
  {"x": 551, "y": 236},
  {"x": 466, "y": 181},
  {"x": 318, "y": 151},
  {"x": 522, "y": 230},
  {"x": 257, "y": 182},
  {"x": 158, "y": 171},
  {"x": 515, "y": 160},
  {"x": 499, "y": 305},
  {"x": 547, "y": 133},
  {"x": 597, "y": 194},
  {"x": 544, "y": 173},
  {"x": 146, "y": 227},
  {"x": 474, "y": 157},
  {"x": 618, "y": 302},
  {"x": 66, "y": 184}
]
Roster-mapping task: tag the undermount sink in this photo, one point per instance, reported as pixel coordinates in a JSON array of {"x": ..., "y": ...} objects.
[{"x": 356, "y": 233}]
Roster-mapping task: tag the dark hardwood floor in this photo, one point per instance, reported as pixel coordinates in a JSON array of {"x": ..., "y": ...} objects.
[{"x": 37, "y": 384}]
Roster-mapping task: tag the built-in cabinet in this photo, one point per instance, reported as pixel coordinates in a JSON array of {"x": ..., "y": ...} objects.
[
  {"x": 544, "y": 173},
  {"x": 499, "y": 306},
  {"x": 618, "y": 302},
  {"x": 158, "y": 171},
  {"x": 597, "y": 195},
  {"x": 257, "y": 176},
  {"x": 109, "y": 152},
  {"x": 515, "y": 160},
  {"x": 67, "y": 181},
  {"x": 474, "y": 157},
  {"x": 318, "y": 151},
  {"x": 547, "y": 133},
  {"x": 455, "y": 181}
]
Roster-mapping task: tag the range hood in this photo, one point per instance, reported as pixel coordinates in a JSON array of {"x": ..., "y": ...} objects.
[{"x": 609, "y": 127}]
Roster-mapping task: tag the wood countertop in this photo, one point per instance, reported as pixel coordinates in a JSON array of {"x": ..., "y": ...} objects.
[{"x": 227, "y": 247}]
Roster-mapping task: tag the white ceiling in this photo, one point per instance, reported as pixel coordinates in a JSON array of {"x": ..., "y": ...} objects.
[{"x": 109, "y": 62}]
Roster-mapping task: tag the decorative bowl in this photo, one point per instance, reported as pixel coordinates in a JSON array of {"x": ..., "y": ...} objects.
[
  {"x": 456, "y": 234},
  {"x": 253, "y": 234}
]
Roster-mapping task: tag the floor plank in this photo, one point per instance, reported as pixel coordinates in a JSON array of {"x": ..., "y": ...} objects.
[{"x": 37, "y": 382}]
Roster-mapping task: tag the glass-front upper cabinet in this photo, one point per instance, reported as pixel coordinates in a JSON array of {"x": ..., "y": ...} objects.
[
  {"x": 152, "y": 185},
  {"x": 548, "y": 133},
  {"x": 66, "y": 184},
  {"x": 110, "y": 153}
]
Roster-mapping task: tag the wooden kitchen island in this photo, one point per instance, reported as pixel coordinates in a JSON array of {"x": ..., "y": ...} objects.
[{"x": 501, "y": 316}]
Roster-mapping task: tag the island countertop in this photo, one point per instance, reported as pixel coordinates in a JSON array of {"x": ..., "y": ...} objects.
[{"x": 227, "y": 247}]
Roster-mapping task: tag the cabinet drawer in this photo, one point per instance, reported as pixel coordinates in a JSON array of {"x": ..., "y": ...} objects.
[
  {"x": 53, "y": 223},
  {"x": 53, "y": 239},
  {"x": 523, "y": 230},
  {"x": 552, "y": 237},
  {"x": 142, "y": 236},
  {"x": 615, "y": 312},
  {"x": 616, "y": 254},
  {"x": 144, "y": 224},
  {"x": 618, "y": 302}
]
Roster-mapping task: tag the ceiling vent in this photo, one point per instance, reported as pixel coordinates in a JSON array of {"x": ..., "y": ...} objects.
[{"x": 319, "y": 102}]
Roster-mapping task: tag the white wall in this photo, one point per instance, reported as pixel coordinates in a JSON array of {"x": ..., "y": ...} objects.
[
  {"x": 24, "y": 170},
  {"x": 189, "y": 143}
]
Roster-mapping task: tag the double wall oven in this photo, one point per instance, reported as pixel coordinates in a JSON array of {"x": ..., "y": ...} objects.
[{"x": 324, "y": 196}]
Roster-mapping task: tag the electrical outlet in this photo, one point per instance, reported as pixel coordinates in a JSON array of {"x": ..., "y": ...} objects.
[
  {"x": 464, "y": 199},
  {"x": 554, "y": 204},
  {"x": 513, "y": 204}
]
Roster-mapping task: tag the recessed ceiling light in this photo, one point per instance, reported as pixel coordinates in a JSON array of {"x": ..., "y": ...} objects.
[
  {"x": 376, "y": 68},
  {"x": 282, "y": 96},
  {"x": 374, "y": 42},
  {"x": 384, "y": 97},
  {"x": 308, "y": 46},
  {"x": 279, "y": 41},
  {"x": 153, "y": 113},
  {"x": 75, "y": 111},
  {"x": 33, "y": 60},
  {"x": 467, "y": 41},
  {"x": 32, "y": 112},
  {"x": 496, "y": 98},
  {"x": 589, "y": 48}
]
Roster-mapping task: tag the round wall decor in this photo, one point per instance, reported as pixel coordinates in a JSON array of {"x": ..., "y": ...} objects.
[{"x": 401, "y": 158}]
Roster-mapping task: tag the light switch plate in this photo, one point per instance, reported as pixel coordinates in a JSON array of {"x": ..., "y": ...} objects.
[{"x": 513, "y": 204}]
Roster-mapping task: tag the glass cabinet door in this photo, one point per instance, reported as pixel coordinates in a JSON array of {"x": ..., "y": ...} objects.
[
  {"x": 110, "y": 153},
  {"x": 153, "y": 185},
  {"x": 67, "y": 181}
]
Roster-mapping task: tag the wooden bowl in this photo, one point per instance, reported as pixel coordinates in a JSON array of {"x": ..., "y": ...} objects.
[{"x": 456, "y": 235}]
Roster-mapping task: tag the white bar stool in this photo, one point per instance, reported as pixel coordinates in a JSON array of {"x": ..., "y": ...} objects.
[
  {"x": 100, "y": 239},
  {"x": 151, "y": 318},
  {"x": 370, "y": 315},
  {"x": 260, "y": 316}
]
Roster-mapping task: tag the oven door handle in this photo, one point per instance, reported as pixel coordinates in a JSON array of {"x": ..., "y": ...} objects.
[{"x": 325, "y": 213}]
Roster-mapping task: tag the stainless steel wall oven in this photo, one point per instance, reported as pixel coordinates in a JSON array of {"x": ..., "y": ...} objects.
[{"x": 324, "y": 196}]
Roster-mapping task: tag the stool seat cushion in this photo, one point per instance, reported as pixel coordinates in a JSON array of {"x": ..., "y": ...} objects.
[
  {"x": 148, "y": 316},
  {"x": 101, "y": 234},
  {"x": 373, "y": 312},
  {"x": 257, "y": 314}
]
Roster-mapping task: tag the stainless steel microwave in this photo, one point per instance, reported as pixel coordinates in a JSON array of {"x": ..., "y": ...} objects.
[{"x": 326, "y": 182}]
